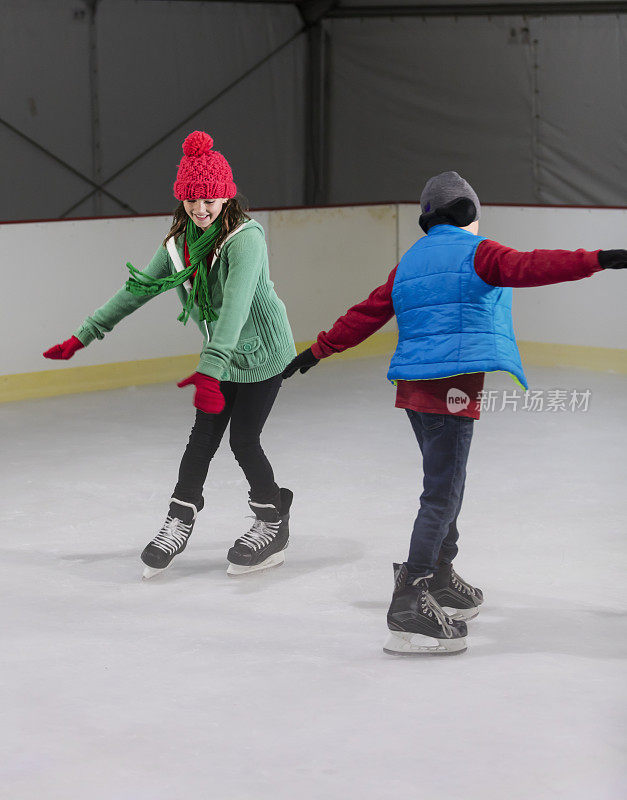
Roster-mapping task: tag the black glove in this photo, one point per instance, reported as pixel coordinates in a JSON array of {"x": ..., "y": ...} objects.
[
  {"x": 613, "y": 259},
  {"x": 304, "y": 361}
]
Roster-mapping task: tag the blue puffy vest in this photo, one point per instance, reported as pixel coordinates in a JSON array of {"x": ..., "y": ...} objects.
[{"x": 450, "y": 322}]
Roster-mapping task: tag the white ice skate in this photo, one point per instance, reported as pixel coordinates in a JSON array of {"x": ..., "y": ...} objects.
[
  {"x": 411, "y": 644},
  {"x": 272, "y": 561},
  {"x": 456, "y": 596},
  {"x": 171, "y": 540},
  {"x": 418, "y": 626},
  {"x": 150, "y": 572},
  {"x": 263, "y": 546}
]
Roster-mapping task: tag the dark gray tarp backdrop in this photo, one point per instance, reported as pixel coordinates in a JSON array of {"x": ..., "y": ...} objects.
[
  {"x": 157, "y": 62},
  {"x": 530, "y": 109}
]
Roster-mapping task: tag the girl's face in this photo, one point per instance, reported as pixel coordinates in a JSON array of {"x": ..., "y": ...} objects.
[{"x": 204, "y": 212}]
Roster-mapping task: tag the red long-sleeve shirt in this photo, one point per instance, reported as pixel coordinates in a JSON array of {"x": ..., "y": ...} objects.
[{"x": 494, "y": 264}]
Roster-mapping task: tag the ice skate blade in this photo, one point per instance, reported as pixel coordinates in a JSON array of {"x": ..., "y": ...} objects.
[
  {"x": 272, "y": 561},
  {"x": 461, "y": 613},
  {"x": 400, "y": 643},
  {"x": 150, "y": 572}
]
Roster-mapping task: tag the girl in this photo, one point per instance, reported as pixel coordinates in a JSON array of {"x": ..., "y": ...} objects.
[{"x": 216, "y": 258}]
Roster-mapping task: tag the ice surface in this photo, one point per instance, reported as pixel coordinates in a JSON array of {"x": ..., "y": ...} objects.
[{"x": 195, "y": 685}]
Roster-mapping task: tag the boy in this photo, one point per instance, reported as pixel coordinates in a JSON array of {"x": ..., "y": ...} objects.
[{"x": 454, "y": 318}]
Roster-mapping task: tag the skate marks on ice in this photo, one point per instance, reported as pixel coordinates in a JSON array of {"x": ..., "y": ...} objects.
[
  {"x": 510, "y": 624},
  {"x": 107, "y": 568},
  {"x": 125, "y": 566},
  {"x": 116, "y": 567},
  {"x": 373, "y": 605},
  {"x": 305, "y": 556},
  {"x": 118, "y": 556}
]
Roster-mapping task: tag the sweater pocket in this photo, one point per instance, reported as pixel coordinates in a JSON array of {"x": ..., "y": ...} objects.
[{"x": 249, "y": 353}]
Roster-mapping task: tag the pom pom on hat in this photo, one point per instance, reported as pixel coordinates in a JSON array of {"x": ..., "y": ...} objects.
[
  {"x": 203, "y": 172},
  {"x": 197, "y": 144}
]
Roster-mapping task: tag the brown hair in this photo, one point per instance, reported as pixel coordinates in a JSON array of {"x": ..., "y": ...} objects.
[{"x": 233, "y": 214}]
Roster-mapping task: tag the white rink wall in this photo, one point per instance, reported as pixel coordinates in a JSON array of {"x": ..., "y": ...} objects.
[{"x": 322, "y": 260}]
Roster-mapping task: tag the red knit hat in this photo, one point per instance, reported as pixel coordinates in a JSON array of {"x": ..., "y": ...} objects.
[{"x": 203, "y": 173}]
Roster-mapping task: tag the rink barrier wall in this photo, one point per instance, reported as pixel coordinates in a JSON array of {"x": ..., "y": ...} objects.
[
  {"x": 323, "y": 260},
  {"x": 74, "y": 380}
]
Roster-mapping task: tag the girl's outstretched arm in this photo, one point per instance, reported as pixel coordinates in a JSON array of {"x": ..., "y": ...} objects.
[
  {"x": 107, "y": 316},
  {"x": 123, "y": 303}
]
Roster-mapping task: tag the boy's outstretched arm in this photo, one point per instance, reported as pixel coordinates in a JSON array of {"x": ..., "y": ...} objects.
[
  {"x": 354, "y": 327},
  {"x": 503, "y": 266}
]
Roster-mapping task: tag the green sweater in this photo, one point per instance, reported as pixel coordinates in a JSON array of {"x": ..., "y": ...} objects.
[{"x": 251, "y": 340}]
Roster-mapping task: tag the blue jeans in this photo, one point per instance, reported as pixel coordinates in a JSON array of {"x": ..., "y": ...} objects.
[{"x": 444, "y": 441}]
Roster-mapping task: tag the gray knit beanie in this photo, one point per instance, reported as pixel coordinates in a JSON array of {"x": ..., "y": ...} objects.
[{"x": 443, "y": 189}]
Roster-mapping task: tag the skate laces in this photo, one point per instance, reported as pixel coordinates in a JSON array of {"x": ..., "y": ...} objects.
[
  {"x": 172, "y": 535},
  {"x": 433, "y": 609},
  {"x": 260, "y": 534},
  {"x": 461, "y": 585}
]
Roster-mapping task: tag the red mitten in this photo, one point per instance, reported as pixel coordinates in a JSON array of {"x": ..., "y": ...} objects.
[
  {"x": 64, "y": 350},
  {"x": 208, "y": 397}
]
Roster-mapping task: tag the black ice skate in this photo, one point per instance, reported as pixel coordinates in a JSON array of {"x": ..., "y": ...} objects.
[
  {"x": 171, "y": 539},
  {"x": 418, "y": 626},
  {"x": 459, "y": 599},
  {"x": 263, "y": 546}
]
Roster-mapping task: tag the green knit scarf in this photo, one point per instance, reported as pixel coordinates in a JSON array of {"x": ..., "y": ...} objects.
[{"x": 199, "y": 246}]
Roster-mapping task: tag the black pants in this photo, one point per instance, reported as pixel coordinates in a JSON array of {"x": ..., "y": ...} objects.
[
  {"x": 444, "y": 441},
  {"x": 247, "y": 407}
]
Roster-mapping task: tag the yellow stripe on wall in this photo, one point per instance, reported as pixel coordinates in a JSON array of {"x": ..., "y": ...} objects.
[
  {"x": 70, "y": 380},
  {"x": 599, "y": 359}
]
